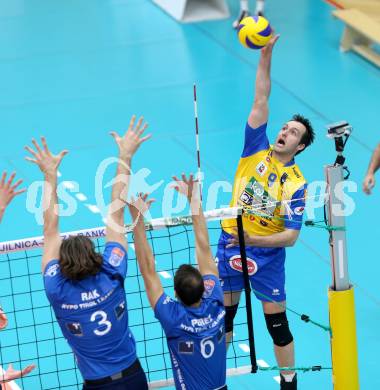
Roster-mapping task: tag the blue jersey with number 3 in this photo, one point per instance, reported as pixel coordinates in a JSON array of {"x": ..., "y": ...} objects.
[
  {"x": 93, "y": 316},
  {"x": 196, "y": 338}
]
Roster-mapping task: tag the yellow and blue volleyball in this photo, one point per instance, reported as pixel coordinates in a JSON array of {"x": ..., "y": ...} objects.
[{"x": 254, "y": 32}]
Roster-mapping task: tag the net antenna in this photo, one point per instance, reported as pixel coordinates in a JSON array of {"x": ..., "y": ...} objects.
[
  {"x": 199, "y": 172},
  {"x": 341, "y": 292}
]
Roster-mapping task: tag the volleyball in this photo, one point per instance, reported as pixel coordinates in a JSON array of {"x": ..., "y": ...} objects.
[{"x": 254, "y": 32}]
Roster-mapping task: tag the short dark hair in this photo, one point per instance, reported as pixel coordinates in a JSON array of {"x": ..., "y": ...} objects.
[
  {"x": 309, "y": 135},
  {"x": 78, "y": 258},
  {"x": 188, "y": 284}
]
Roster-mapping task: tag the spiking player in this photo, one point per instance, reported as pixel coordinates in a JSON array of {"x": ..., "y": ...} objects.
[
  {"x": 85, "y": 288},
  {"x": 194, "y": 323},
  {"x": 269, "y": 182}
]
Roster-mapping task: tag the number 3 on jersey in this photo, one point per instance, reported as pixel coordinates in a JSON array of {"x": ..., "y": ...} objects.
[{"x": 101, "y": 331}]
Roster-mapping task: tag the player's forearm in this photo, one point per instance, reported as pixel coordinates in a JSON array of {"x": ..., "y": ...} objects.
[
  {"x": 283, "y": 239},
  {"x": 144, "y": 253},
  {"x": 50, "y": 202},
  {"x": 202, "y": 242},
  {"x": 375, "y": 161},
  {"x": 263, "y": 81},
  {"x": 120, "y": 191}
]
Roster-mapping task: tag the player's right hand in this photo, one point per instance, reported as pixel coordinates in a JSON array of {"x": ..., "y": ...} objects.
[{"x": 368, "y": 183}]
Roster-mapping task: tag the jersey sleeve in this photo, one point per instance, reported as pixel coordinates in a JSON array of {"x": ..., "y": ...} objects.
[
  {"x": 168, "y": 312},
  {"x": 297, "y": 207},
  {"x": 255, "y": 140},
  {"x": 52, "y": 278},
  {"x": 213, "y": 289},
  {"x": 115, "y": 259}
]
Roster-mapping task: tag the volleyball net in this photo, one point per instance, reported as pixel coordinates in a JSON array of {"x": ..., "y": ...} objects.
[{"x": 33, "y": 336}]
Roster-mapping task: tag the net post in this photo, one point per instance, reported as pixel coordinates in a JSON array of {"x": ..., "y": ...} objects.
[
  {"x": 341, "y": 293},
  {"x": 247, "y": 290}
]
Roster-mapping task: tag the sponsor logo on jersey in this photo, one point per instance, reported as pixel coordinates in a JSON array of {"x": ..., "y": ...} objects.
[
  {"x": 74, "y": 328},
  {"x": 271, "y": 179},
  {"x": 52, "y": 270},
  {"x": 267, "y": 158},
  {"x": 220, "y": 335},
  {"x": 235, "y": 263},
  {"x": 209, "y": 287},
  {"x": 116, "y": 257},
  {"x": 299, "y": 210},
  {"x": 263, "y": 223},
  {"x": 120, "y": 310},
  {"x": 186, "y": 347},
  {"x": 167, "y": 300},
  {"x": 261, "y": 168},
  {"x": 283, "y": 178},
  {"x": 296, "y": 173},
  {"x": 246, "y": 198},
  {"x": 276, "y": 292}
]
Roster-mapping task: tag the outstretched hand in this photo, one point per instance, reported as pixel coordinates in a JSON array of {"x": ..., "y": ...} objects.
[
  {"x": 267, "y": 49},
  {"x": 140, "y": 205},
  {"x": 132, "y": 139},
  {"x": 12, "y": 374},
  {"x": 188, "y": 187},
  {"x": 8, "y": 190},
  {"x": 46, "y": 161}
]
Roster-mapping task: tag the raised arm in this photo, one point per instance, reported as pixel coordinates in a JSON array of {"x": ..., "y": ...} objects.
[
  {"x": 8, "y": 191},
  {"x": 369, "y": 180},
  {"x": 144, "y": 254},
  {"x": 190, "y": 188},
  {"x": 259, "y": 112},
  {"x": 48, "y": 164},
  {"x": 128, "y": 145}
]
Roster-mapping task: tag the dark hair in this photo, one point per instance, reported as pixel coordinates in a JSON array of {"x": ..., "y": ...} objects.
[
  {"x": 188, "y": 284},
  {"x": 309, "y": 135},
  {"x": 78, "y": 258}
]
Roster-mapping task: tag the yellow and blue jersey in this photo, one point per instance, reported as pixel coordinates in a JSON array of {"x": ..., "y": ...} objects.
[{"x": 272, "y": 193}]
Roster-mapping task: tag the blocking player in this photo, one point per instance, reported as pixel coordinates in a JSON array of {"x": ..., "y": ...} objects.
[
  {"x": 86, "y": 288},
  {"x": 194, "y": 323},
  {"x": 8, "y": 190},
  {"x": 268, "y": 182}
]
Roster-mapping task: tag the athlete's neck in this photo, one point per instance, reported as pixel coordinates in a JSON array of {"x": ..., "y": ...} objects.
[
  {"x": 283, "y": 158},
  {"x": 196, "y": 304}
]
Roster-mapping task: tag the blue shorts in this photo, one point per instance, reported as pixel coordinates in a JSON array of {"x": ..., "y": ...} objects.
[
  {"x": 266, "y": 269},
  {"x": 135, "y": 380}
]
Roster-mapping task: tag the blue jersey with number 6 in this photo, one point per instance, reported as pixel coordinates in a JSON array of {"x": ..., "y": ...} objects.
[
  {"x": 93, "y": 316},
  {"x": 196, "y": 338}
]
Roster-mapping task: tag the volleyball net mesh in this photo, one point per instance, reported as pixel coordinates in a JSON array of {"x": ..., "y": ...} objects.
[{"x": 33, "y": 336}]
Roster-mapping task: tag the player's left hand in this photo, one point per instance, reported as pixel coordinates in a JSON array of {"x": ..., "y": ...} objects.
[
  {"x": 132, "y": 139},
  {"x": 234, "y": 241},
  {"x": 12, "y": 374},
  {"x": 140, "y": 205},
  {"x": 8, "y": 190},
  {"x": 188, "y": 187}
]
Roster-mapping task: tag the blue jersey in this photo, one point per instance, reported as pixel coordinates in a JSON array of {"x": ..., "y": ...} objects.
[
  {"x": 93, "y": 316},
  {"x": 196, "y": 338}
]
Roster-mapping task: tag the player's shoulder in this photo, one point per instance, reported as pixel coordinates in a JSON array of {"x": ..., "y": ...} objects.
[{"x": 296, "y": 177}]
